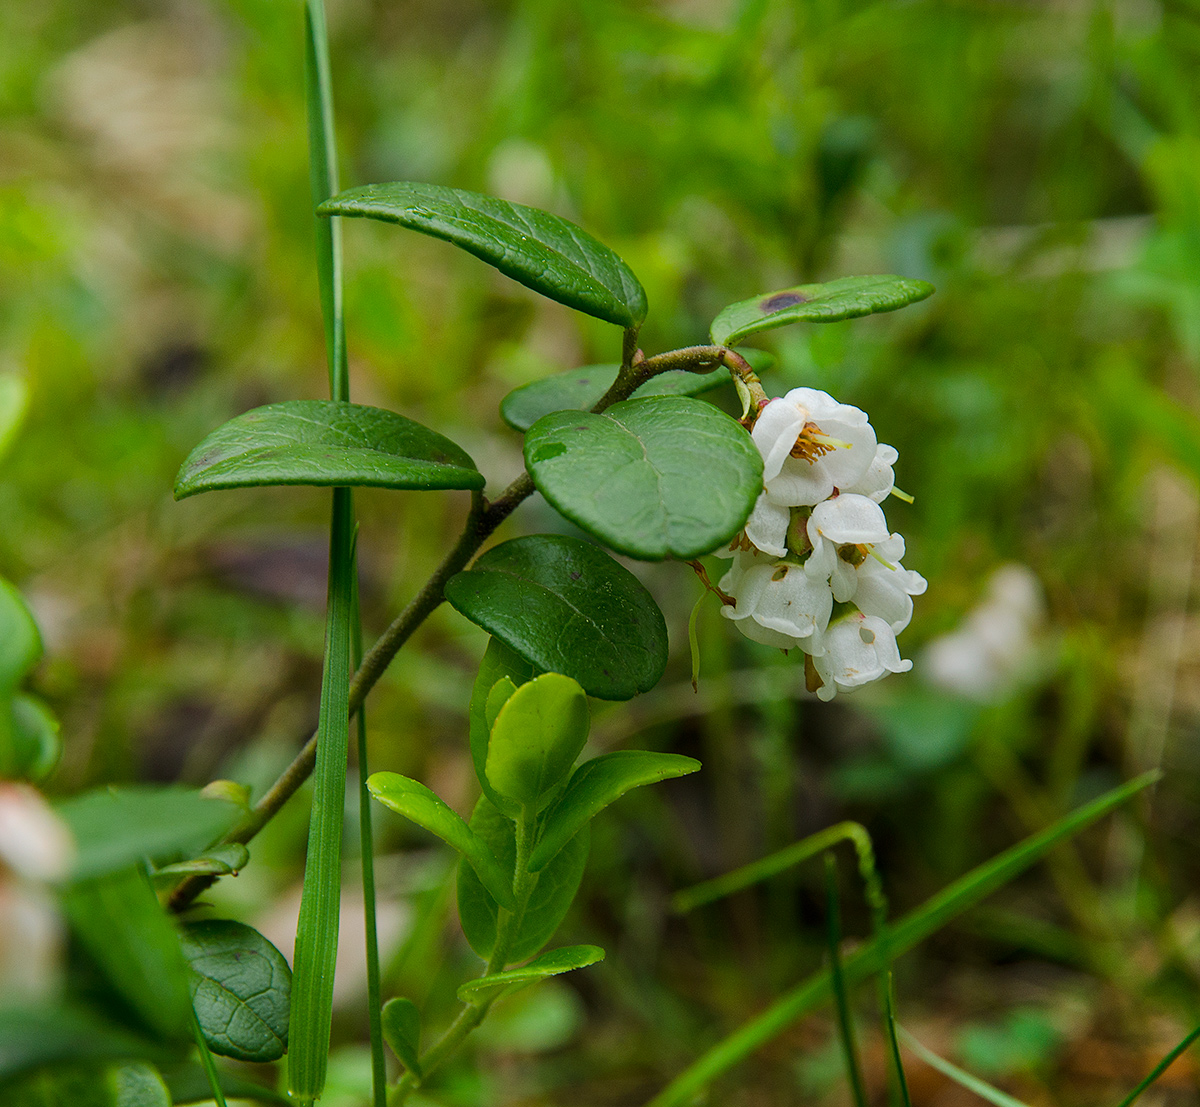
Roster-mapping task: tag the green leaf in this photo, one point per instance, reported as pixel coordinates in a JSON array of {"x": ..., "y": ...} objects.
[
  {"x": 241, "y": 989},
  {"x": 20, "y": 642},
  {"x": 31, "y": 1036},
  {"x": 402, "y": 1031},
  {"x": 327, "y": 444},
  {"x": 502, "y": 691},
  {"x": 549, "y": 964},
  {"x": 36, "y": 740},
  {"x": 119, "y": 920},
  {"x": 549, "y": 902},
  {"x": 136, "y": 1084},
  {"x": 499, "y": 662},
  {"x": 188, "y": 1083},
  {"x": 816, "y": 303},
  {"x": 880, "y": 952},
  {"x": 540, "y": 250},
  {"x": 565, "y": 606},
  {"x": 537, "y": 735},
  {"x": 664, "y": 477},
  {"x": 14, "y": 401},
  {"x": 117, "y": 827},
  {"x": 222, "y": 860},
  {"x": 422, "y": 806},
  {"x": 594, "y": 785}
]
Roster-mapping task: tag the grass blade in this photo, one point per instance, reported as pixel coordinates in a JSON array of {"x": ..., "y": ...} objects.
[
  {"x": 880, "y": 952},
  {"x": 833, "y": 934},
  {"x": 897, "y": 1066},
  {"x": 972, "y": 1083},
  {"x": 1160, "y": 1068},
  {"x": 210, "y": 1068}
]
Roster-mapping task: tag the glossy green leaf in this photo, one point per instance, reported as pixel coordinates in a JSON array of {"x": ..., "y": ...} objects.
[
  {"x": 549, "y": 902},
  {"x": 121, "y": 924},
  {"x": 538, "y": 733},
  {"x": 502, "y": 691},
  {"x": 424, "y": 807},
  {"x": 36, "y": 742},
  {"x": 42, "y": 1034},
  {"x": 402, "y": 1032},
  {"x": 241, "y": 988},
  {"x": 222, "y": 860},
  {"x": 117, "y": 827},
  {"x": 20, "y": 642},
  {"x": 565, "y": 606},
  {"x": 327, "y": 444},
  {"x": 541, "y": 251},
  {"x": 499, "y": 662},
  {"x": 664, "y": 477},
  {"x": 14, "y": 401},
  {"x": 816, "y": 303},
  {"x": 596, "y": 784},
  {"x": 553, "y": 963}
]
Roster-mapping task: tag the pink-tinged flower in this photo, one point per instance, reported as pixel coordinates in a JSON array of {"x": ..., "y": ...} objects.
[
  {"x": 778, "y": 604},
  {"x": 858, "y": 649}
]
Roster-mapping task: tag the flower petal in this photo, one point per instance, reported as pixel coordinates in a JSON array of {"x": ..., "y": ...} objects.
[{"x": 849, "y": 518}]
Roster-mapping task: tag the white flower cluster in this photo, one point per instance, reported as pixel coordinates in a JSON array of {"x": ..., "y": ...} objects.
[{"x": 816, "y": 567}]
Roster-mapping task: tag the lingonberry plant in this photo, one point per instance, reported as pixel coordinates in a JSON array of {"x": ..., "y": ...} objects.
[{"x": 791, "y": 491}]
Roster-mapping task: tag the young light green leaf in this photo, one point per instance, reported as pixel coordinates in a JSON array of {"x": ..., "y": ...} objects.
[
  {"x": 878, "y": 954},
  {"x": 327, "y": 444},
  {"x": 964, "y": 1079},
  {"x": 20, "y": 642},
  {"x": 222, "y": 860},
  {"x": 35, "y": 738},
  {"x": 541, "y": 251},
  {"x": 499, "y": 663},
  {"x": 14, "y": 400},
  {"x": 553, "y": 963},
  {"x": 552, "y": 896},
  {"x": 118, "y": 827},
  {"x": 565, "y": 606},
  {"x": 664, "y": 477},
  {"x": 422, "y": 806},
  {"x": 596, "y": 784},
  {"x": 536, "y": 737},
  {"x": 119, "y": 921},
  {"x": 402, "y": 1031},
  {"x": 500, "y": 694},
  {"x": 241, "y": 989},
  {"x": 816, "y": 303}
]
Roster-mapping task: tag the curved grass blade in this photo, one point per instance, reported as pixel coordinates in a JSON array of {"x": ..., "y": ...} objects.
[
  {"x": 326, "y": 444},
  {"x": 877, "y": 954},
  {"x": 816, "y": 303},
  {"x": 541, "y": 251},
  {"x": 895, "y": 1063},
  {"x": 960, "y": 1076}
]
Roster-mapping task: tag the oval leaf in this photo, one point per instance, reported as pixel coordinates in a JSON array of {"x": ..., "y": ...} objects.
[
  {"x": 328, "y": 444},
  {"x": 594, "y": 786},
  {"x": 552, "y": 896},
  {"x": 20, "y": 642},
  {"x": 565, "y": 606},
  {"x": 225, "y": 860},
  {"x": 537, "y": 735},
  {"x": 136, "y": 1084},
  {"x": 499, "y": 663},
  {"x": 817, "y": 303},
  {"x": 549, "y": 964},
  {"x": 35, "y": 737},
  {"x": 542, "y": 251},
  {"x": 657, "y": 478},
  {"x": 241, "y": 989},
  {"x": 402, "y": 1031},
  {"x": 424, "y": 807}
]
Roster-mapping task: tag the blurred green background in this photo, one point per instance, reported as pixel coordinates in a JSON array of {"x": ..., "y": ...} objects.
[{"x": 1038, "y": 162}]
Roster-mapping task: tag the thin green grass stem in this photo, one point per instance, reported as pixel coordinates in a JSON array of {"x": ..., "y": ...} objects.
[
  {"x": 900, "y": 1081},
  {"x": 877, "y": 954},
  {"x": 207, "y": 1063},
  {"x": 961, "y": 1077},
  {"x": 833, "y": 936},
  {"x": 1160, "y": 1068}
]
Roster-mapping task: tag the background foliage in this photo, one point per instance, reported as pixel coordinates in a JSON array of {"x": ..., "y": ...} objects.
[{"x": 1038, "y": 163}]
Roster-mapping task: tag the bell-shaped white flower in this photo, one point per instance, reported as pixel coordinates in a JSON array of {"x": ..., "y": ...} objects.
[
  {"x": 858, "y": 649},
  {"x": 778, "y": 603},
  {"x": 767, "y": 526},
  {"x": 885, "y": 588},
  {"x": 845, "y": 520},
  {"x": 811, "y": 445},
  {"x": 879, "y": 479}
]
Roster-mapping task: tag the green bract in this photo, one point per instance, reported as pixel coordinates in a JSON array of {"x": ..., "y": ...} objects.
[
  {"x": 657, "y": 478},
  {"x": 816, "y": 303},
  {"x": 565, "y": 606},
  {"x": 328, "y": 444},
  {"x": 536, "y": 736},
  {"x": 542, "y": 251},
  {"x": 241, "y": 989}
]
